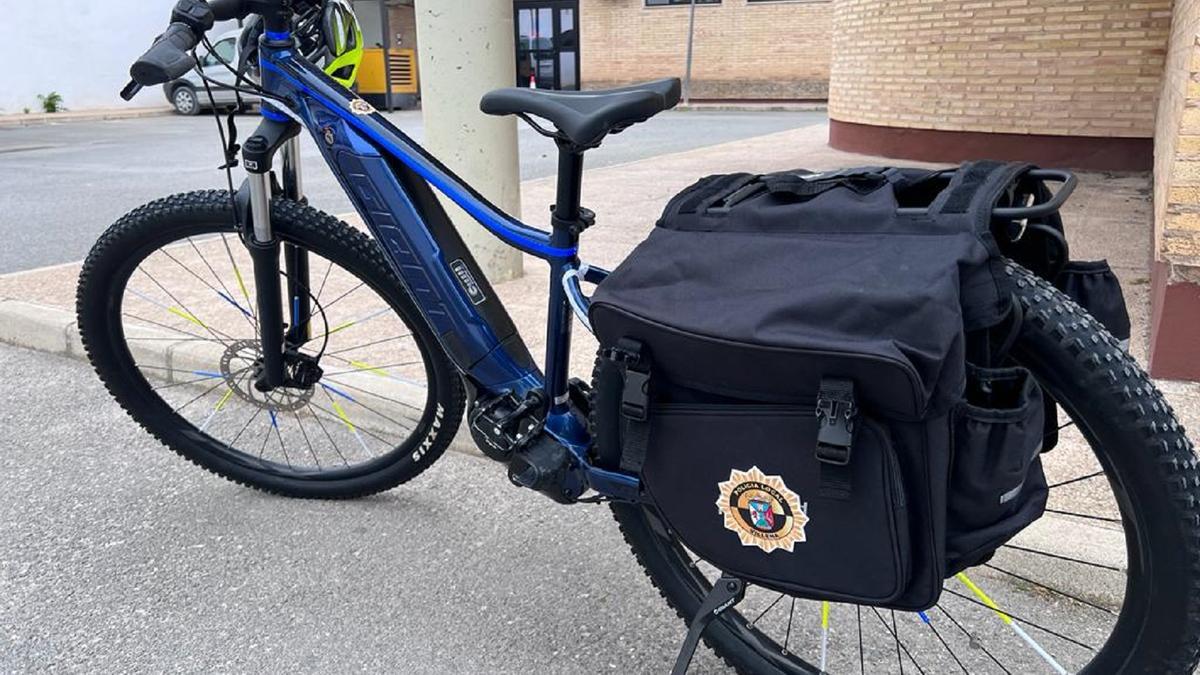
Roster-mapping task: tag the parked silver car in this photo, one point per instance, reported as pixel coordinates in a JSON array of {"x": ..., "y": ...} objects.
[{"x": 187, "y": 93}]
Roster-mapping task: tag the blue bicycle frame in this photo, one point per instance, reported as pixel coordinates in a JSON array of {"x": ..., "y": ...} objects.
[{"x": 389, "y": 178}]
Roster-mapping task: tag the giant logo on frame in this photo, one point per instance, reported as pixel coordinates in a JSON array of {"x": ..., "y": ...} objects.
[{"x": 762, "y": 511}]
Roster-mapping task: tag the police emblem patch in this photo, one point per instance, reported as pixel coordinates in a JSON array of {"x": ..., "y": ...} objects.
[
  {"x": 361, "y": 107},
  {"x": 762, "y": 511}
]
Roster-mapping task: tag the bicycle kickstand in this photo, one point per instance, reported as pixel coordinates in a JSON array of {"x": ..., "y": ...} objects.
[{"x": 727, "y": 592}]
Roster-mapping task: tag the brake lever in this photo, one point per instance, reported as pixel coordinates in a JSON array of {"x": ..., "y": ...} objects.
[{"x": 132, "y": 89}]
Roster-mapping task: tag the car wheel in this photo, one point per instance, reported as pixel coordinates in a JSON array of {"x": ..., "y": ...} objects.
[{"x": 185, "y": 101}]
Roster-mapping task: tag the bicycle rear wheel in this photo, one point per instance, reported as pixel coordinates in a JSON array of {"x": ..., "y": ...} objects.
[
  {"x": 1108, "y": 583},
  {"x": 167, "y": 312}
]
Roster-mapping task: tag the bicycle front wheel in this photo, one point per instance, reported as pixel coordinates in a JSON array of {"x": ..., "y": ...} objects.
[
  {"x": 167, "y": 312},
  {"x": 1108, "y": 583}
]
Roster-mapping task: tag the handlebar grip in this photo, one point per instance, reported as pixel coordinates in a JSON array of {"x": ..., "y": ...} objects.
[
  {"x": 226, "y": 10},
  {"x": 168, "y": 58}
]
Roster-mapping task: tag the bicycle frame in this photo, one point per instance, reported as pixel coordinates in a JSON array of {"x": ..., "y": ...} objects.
[{"x": 389, "y": 179}]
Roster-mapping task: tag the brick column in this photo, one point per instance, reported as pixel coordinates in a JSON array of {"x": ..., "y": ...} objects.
[{"x": 1175, "y": 321}]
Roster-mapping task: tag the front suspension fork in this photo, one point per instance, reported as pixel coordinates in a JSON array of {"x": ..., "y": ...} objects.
[{"x": 264, "y": 247}]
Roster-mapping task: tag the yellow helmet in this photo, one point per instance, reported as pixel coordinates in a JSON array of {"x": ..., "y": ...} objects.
[
  {"x": 343, "y": 40},
  {"x": 326, "y": 32}
]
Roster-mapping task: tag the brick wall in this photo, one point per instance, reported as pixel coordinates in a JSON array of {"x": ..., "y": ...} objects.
[
  {"x": 1064, "y": 67},
  {"x": 768, "y": 50},
  {"x": 1177, "y": 145}
]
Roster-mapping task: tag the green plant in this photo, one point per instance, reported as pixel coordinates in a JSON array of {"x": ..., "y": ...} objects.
[
  {"x": 52, "y": 102},
  {"x": 27, "y": 111}
]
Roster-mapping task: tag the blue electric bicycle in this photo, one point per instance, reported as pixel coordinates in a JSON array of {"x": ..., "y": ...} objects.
[{"x": 287, "y": 351}]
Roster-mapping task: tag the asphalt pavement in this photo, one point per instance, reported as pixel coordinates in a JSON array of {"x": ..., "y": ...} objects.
[
  {"x": 65, "y": 183},
  {"x": 117, "y": 556}
]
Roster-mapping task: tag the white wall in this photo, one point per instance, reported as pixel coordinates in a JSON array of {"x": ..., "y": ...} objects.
[{"x": 80, "y": 48}]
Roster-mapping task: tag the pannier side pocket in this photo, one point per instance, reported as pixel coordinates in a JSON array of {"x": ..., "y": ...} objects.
[
  {"x": 1094, "y": 287},
  {"x": 742, "y": 486},
  {"x": 997, "y": 487}
]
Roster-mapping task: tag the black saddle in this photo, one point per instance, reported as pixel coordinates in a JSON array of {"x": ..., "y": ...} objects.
[{"x": 584, "y": 118}]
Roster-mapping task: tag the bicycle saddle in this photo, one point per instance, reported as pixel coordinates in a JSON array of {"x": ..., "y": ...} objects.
[{"x": 584, "y": 118}]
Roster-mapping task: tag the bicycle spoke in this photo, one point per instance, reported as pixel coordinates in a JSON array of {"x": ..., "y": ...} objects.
[
  {"x": 392, "y": 376},
  {"x": 223, "y": 294},
  {"x": 381, "y": 397},
  {"x": 971, "y": 639},
  {"x": 279, "y": 435},
  {"x": 764, "y": 612},
  {"x": 216, "y": 409},
  {"x": 182, "y": 310},
  {"x": 824, "y": 635},
  {"x": 1049, "y": 588},
  {"x": 344, "y": 295},
  {"x": 206, "y": 392},
  {"x": 363, "y": 367},
  {"x": 1076, "y": 480},
  {"x": 324, "y": 280},
  {"x": 926, "y": 620},
  {"x": 257, "y": 412},
  {"x": 1016, "y": 628},
  {"x": 307, "y": 442},
  {"x": 1014, "y": 617},
  {"x": 237, "y": 273},
  {"x": 862, "y": 661},
  {"x": 786, "y": 637},
  {"x": 368, "y": 344},
  {"x": 1062, "y": 557},
  {"x": 177, "y": 330},
  {"x": 899, "y": 645},
  {"x": 350, "y": 324},
  {"x": 333, "y": 417},
  {"x": 345, "y": 419},
  {"x": 1058, "y": 429},
  {"x": 204, "y": 261},
  {"x": 204, "y": 377},
  {"x": 1084, "y": 515},
  {"x": 321, "y": 425},
  {"x": 366, "y": 407},
  {"x": 896, "y": 634}
]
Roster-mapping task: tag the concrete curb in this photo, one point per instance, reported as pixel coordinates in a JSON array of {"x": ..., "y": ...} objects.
[
  {"x": 755, "y": 106},
  {"x": 32, "y": 119},
  {"x": 54, "y": 330}
]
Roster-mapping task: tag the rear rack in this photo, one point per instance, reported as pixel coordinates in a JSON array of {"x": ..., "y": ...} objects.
[{"x": 1069, "y": 183}]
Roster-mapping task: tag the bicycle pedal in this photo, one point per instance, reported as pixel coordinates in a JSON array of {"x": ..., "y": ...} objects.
[{"x": 503, "y": 425}]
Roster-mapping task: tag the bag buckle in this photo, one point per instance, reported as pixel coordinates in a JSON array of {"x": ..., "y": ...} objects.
[
  {"x": 836, "y": 411},
  {"x": 635, "y": 398}
]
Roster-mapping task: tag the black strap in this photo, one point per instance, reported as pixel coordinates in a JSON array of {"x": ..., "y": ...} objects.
[
  {"x": 837, "y": 411},
  {"x": 807, "y": 186},
  {"x": 707, "y": 191},
  {"x": 635, "y": 404}
]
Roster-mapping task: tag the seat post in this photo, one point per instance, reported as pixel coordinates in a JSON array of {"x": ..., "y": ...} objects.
[
  {"x": 567, "y": 221},
  {"x": 570, "y": 188}
]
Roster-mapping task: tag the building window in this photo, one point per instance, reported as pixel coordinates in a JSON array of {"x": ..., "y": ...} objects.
[{"x": 664, "y": 3}]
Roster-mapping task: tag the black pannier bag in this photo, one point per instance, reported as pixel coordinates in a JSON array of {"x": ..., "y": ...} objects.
[{"x": 783, "y": 361}]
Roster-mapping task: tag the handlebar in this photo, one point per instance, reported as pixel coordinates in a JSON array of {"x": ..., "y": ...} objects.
[
  {"x": 170, "y": 55},
  {"x": 169, "y": 58}
]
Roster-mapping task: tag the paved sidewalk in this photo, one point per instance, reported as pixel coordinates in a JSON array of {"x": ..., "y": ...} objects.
[{"x": 90, "y": 115}]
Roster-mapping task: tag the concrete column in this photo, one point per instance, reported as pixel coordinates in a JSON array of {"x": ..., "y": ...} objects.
[{"x": 466, "y": 51}]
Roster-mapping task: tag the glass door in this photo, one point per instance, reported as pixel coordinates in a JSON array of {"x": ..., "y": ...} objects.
[{"x": 547, "y": 44}]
